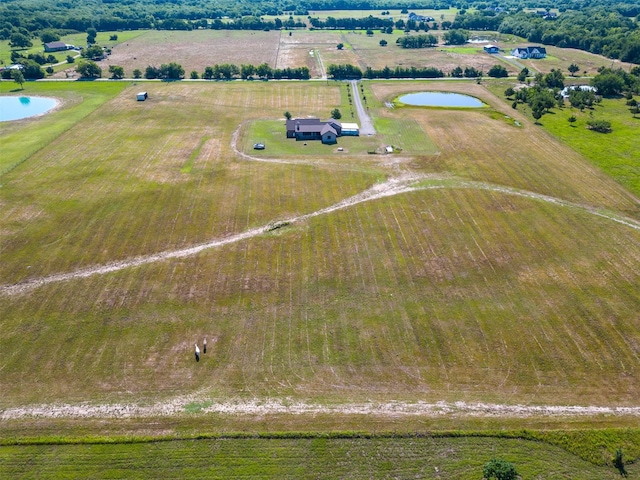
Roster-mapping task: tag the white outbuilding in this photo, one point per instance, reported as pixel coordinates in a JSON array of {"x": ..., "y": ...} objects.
[{"x": 142, "y": 96}]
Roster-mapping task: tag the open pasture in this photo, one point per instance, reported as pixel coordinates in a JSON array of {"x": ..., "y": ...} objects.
[
  {"x": 499, "y": 274},
  {"x": 561, "y": 58},
  {"x": 314, "y": 457},
  {"x": 196, "y": 50}
]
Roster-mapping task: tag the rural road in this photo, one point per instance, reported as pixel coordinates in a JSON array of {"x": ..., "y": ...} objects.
[{"x": 366, "y": 125}]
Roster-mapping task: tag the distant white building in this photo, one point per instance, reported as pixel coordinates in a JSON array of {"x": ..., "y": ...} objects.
[
  {"x": 142, "y": 96},
  {"x": 350, "y": 129},
  {"x": 529, "y": 52},
  {"x": 585, "y": 88}
]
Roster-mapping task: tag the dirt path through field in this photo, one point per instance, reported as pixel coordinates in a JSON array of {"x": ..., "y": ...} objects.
[
  {"x": 270, "y": 406},
  {"x": 403, "y": 183}
]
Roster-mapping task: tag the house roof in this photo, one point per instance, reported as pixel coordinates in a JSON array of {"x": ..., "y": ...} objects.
[
  {"x": 55, "y": 45},
  {"x": 311, "y": 125}
]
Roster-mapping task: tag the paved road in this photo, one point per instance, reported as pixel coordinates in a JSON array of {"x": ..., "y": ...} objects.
[{"x": 366, "y": 125}]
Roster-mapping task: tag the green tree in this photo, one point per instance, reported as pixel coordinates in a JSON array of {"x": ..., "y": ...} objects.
[
  {"x": 113, "y": 38},
  {"x": 89, "y": 69},
  {"x": 608, "y": 84},
  {"x": 522, "y": 76},
  {"x": 137, "y": 73},
  {"x": 340, "y": 46},
  {"x": 91, "y": 35},
  {"x": 500, "y": 470},
  {"x": 171, "y": 71},
  {"x": 383, "y": 43},
  {"x": 94, "y": 52},
  {"x": 20, "y": 40},
  {"x": 456, "y": 37},
  {"x": 49, "y": 36},
  {"x": 208, "y": 73},
  {"x": 116, "y": 71},
  {"x": 537, "y": 114},
  {"x": 335, "y": 114},
  {"x": 18, "y": 77},
  {"x": 49, "y": 70},
  {"x": 601, "y": 126},
  {"x": 498, "y": 71},
  {"x": 70, "y": 59},
  {"x": 32, "y": 70},
  {"x": 509, "y": 92},
  {"x": 264, "y": 71},
  {"x": 572, "y": 119},
  {"x": 287, "y": 115},
  {"x": 194, "y": 75},
  {"x": 573, "y": 68}
]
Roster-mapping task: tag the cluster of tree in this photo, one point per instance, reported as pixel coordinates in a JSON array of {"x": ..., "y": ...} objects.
[
  {"x": 498, "y": 71},
  {"x": 456, "y": 37},
  {"x": 580, "y": 98},
  {"x": 612, "y": 82},
  {"x": 404, "y": 72},
  {"x": 30, "y": 70},
  {"x": 484, "y": 19},
  {"x": 600, "y": 26},
  {"x": 229, "y": 71},
  {"x": 39, "y": 58},
  {"x": 468, "y": 72},
  {"x": 342, "y": 72},
  {"x": 540, "y": 98},
  {"x": 166, "y": 71},
  {"x": 417, "y": 41},
  {"x": 89, "y": 69},
  {"x": 366, "y": 23}
]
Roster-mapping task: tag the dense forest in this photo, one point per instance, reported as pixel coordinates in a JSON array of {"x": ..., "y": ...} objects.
[{"x": 610, "y": 28}]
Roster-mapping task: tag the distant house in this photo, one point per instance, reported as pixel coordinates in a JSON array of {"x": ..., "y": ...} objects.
[
  {"x": 585, "y": 88},
  {"x": 491, "y": 49},
  {"x": 529, "y": 52},
  {"x": 56, "y": 47},
  {"x": 314, "y": 129},
  {"x": 420, "y": 18}
]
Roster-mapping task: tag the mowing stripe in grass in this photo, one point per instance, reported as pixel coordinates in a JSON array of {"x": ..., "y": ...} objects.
[{"x": 393, "y": 186}]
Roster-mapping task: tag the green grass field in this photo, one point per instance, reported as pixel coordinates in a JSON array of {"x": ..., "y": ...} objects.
[
  {"x": 311, "y": 457},
  {"x": 615, "y": 153},
  {"x": 505, "y": 270}
]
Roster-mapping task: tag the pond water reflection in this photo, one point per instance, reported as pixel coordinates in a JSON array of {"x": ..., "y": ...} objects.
[
  {"x": 440, "y": 99},
  {"x": 16, "y": 108}
]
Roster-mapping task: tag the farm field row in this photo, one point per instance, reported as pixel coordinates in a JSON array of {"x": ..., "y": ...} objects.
[
  {"x": 459, "y": 458},
  {"x": 197, "y": 49}
]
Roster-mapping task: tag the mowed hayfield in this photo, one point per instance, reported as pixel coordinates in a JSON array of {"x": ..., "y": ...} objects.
[
  {"x": 509, "y": 273},
  {"x": 311, "y": 457}
]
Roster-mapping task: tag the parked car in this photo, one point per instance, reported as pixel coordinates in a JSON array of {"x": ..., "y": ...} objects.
[{"x": 259, "y": 146}]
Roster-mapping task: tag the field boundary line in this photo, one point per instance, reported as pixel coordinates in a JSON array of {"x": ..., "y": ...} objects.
[
  {"x": 393, "y": 186},
  {"x": 273, "y": 406}
]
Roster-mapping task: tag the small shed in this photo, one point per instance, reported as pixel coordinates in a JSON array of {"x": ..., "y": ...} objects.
[
  {"x": 351, "y": 129},
  {"x": 142, "y": 96},
  {"x": 491, "y": 49}
]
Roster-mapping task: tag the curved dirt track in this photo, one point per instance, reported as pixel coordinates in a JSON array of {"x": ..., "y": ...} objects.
[{"x": 393, "y": 186}]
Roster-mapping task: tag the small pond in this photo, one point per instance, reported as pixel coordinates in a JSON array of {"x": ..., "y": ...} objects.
[
  {"x": 16, "y": 108},
  {"x": 440, "y": 99}
]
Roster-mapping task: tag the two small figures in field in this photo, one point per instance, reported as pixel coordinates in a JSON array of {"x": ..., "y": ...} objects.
[{"x": 204, "y": 350}]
